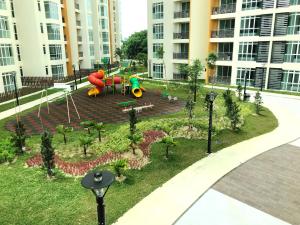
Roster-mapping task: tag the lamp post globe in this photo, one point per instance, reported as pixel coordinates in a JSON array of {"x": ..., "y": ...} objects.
[{"x": 99, "y": 182}]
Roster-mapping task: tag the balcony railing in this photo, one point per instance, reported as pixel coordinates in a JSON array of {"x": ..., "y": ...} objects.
[
  {"x": 181, "y": 55},
  {"x": 182, "y": 35},
  {"x": 182, "y": 14},
  {"x": 223, "y": 33},
  {"x": 224, "y": 56},
  {"x": 227, "y": 8},
  {"x": 179, "y": 76}
]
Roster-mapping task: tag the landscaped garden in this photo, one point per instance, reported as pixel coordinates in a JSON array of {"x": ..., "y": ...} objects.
[{"x": 143, "y": 148}]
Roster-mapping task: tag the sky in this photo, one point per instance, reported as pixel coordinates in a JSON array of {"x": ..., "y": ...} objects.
[{"x": 133, "y": 16}]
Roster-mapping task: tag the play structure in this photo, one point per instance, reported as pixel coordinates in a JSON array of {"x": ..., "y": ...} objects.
[{"x": 101, "y": 83}]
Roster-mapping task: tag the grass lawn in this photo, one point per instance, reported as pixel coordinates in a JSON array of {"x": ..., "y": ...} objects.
[{"x": 28, "y": 197}]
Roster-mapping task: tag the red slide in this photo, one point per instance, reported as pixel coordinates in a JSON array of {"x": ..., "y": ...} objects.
[{"x": 96, "y": 79}]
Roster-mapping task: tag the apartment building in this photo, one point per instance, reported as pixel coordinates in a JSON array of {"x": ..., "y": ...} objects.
[
  {"x": 48, "y": 38},
  {"x": 257, "y": 42},
  {"x": 180, "y": 28}
]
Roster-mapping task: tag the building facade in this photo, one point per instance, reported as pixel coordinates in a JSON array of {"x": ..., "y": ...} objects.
[
  {"x": 48, "y": 38},
  {"x": 257, "y": 42},
  {"x": 179, "y": 28}
]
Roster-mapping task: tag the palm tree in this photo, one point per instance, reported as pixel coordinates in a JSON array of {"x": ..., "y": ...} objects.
[
  {"x": 85, "y": 141},
  {"x": 88, "y": 125},
  {"x": 61, "y": 129},
  {"x": 160, "y": 53},
  {"x": 99, "y": 127},
  {"x": 134, "y": 140},
  {"x": 168, "y": 141}
]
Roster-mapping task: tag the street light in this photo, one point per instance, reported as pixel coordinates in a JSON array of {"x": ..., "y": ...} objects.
[
  {"x": 16, "y": 88},
  {"x": 79, "y": 71},
  {"x": 245, "y": 87},
  {"x": 262, "y": 78},
  {"x": 74, "y": 73},
  {"x": 211, "y": 98},
  {"x": 99, "y": 182}
]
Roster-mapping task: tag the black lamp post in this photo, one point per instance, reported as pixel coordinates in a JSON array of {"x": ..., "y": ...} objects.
[
  {"x": 211, "y": 98},
  {"x": 262, "y": 79},
  {"x": 99, "y": 183},
  {"x": 79, "y": 71},
  {"x": 245, "y": 87},
  {"x": 16, "y": 89},
  {"x": 74, "y": 73}
]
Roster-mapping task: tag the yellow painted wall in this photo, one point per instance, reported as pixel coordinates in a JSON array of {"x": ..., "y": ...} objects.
[{"x": 64, "y": 12}]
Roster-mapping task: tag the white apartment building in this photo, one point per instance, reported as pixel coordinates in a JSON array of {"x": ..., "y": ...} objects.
[
  {"x": 180, "y": 27},
  {"x": 257, "y": 42},
  {"x": 48, "y": 38}
]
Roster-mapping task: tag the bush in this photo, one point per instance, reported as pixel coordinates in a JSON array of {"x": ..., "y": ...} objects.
[
  {"x": 7, "y": 151},
  {"x": 19, "y": 138},
  {"x": 47, "y": 152},
  {"x": 258, "y": 103},
  {"x": 235, "y": 116},
  {"x": 120, "y": 166}
]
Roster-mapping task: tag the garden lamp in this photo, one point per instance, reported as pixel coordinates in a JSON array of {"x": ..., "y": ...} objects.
[
  {"x": 74, "y": 73},
  {"x": 211, "y": 98},
  {"x": 99, "y": 182}
]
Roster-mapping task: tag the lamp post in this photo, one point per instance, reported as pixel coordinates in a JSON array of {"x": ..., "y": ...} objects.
[
  {"x": 99, "y": 182},
  {"x": 16, "y": 89},
  {"x": 262, "y": 78},
  {"x": 211, "y": 98},
  {"x": 74, "y": 73},
  {"x": 245, "y": 87},
  {"x": 79, "y": 71}
]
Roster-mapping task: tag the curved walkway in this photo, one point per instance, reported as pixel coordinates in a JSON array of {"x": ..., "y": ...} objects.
[{"x": 167, "y": 203}]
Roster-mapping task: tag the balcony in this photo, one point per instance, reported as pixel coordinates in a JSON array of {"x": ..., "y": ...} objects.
[
  {"x": 227, "y": 8},
  {"x": 181, "y": 55},
  {"x": 224, "y": 56},
  {"x": 79, "y": 39},
  {"x": 80, "y": 54},
  {"x": 77, "y": 6},
  {"x": 78, "y": 23},
  {"x": 182, "y": 14},
  {"x": 181, "y": 35},
  {"x": 222, "y": 33}
]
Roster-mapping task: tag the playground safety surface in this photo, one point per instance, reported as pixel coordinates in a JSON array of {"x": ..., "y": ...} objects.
[{"x": 102, "y": 108}]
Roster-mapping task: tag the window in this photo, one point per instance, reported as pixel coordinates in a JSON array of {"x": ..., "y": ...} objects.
[
  {"x": 8, "y": 81},
  {"x": 294, "y": 24},
  {"x": 105, "y": 37},
  {"x": 227, "y": 24},
  {"x": 251, "y": 4},
  {"x": 92, "y": 50},
  {"x": 224, "y": 74},
  {"x": 55, "y": 52},
  {"x": 2, "y": 4},
  {"x": 18, "y": 52},
  {"x": 158, "y": 31},
  {"x": 248, "y": 51},
  {"x": 6, "y": 55},
  {"x": 89, "y": 5},
  {"x": 53, "y": 31},
  {"x": 15, "y": 31},
  {"x": 292, "y": 52},
  {"x": 103, "y": 10},
  {"x": 158, "y": 10},
  {"x": 105, "y": 49},
  {"x": 57, "y": 72},
  {"x": 294, "y": 2},
  {"x": 42, "y": 28},
  {"x": 91, "y": 36},
  {"x": 90, "y": 20},
  {"x": 12, "y": 8},
  {"x": 39, "y": 5},
  {"x": 225, "y": 51},
  {"x": 156, "y": 49},
  {"x": 250, "y": 26},
  {"x": 4, "y": 28},
  {"x": 158, "y": 71},
  {"x": 104, "y": 24},
  {"x": 51, "y": 10},
  {"x": 291, "y": 80},
  {"x": 246, "y": 73}
]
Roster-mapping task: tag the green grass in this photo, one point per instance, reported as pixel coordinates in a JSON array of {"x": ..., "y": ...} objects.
[{"x": 28, "y": 197}]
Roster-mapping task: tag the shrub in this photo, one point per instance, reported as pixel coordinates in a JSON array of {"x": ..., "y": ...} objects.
[
  {"x": 168, "y": 141},
  {"x": 47, "y": 152},
  {"x": 88, "y": 125},
  {"x": 235, "y": 116},
  {"x": 258, "y": 102},
  {"x": 132, "y": 120},
  {"x": 120, "y": 166},
  {"x": 61, "y": 129},
  {"x": 7, "y": 151},
  {"x": 134, "y": 140},
  {"x": 19, "y": 138},
  {"x": 239, "y": 91},
  {"x": 227, "y": 95},
  {"x": 99, "y": 127},
  {"x": 85, "y": 142}
]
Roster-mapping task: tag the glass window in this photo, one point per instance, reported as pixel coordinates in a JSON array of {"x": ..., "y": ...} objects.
[
  {"x": 294, "y": 2},
  {"x": 294, "y": 23},
  {"x": 57, "y": 72},
  {"x": 156, "y": 48},
  {"x": 105, "y": 37},
  {"x": 53, "y": 31},
  {"x": 104, "y": 24},
  {"x": 90, "y": 20},
  {"x": 248, "y": 51},
  {"x": 105, "y": 49},
  {"x": 158, "y": 71},
  {"x": 89, "y": 5},
  {"x": 55, "y": 52},
  {"x": 103, "y": 10},
  {"x": 250, "y": 26},
  {"x": 4, "y": 28},
  {"x": 158, "y": 31},
  {"x": 51, "y": 10},
  {"x": 251, "y": 4},
  {"x": 91, "y": 35},
  {"x": 8, "y": 82},
  {"x": 224, "y": 74},
  {"x": 292, "y": 52},
  {"x": 92, "y": 50},
  {"x": 291, "y": 81},
  {"x": 246, "y": 73},
  {"x": 158, "y": 10},
  {"x": 6, "y": 55},
  {"x": 2, "y": 4}
]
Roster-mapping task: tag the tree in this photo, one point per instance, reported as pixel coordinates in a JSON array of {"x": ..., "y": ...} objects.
[
  {"x": 168, "y": 141},
  {"x": 133, "y": 120},
  {"x": 258, "y": 102},
  {"x": 195, "y": 71},
  {"x": 135, "y": 44},
  {"x": 142, "y": 58},
  {"x": 211, "y": 61},
  {"x": 189, "y": 106},
  {"x": 119, "y": 53},
  {"x": 88, "y": 125},
  {"x": 47, "y": 152},
  {"x": 119, "y": 166},
  {"x": 85, "y": 142},
  {"x": 99, "y": 127},
  {"x": 239, "y": 91},
  {"x": 227, "y": 95},
  {"x": 183, "y": 70},
  {"x": 18, "y": 139},
  {"x": 160, "y": 54},
  {"x": 134, "y": 140},
  {"x": 61, "y": 129},
  {"x": 235, "y": 116}
]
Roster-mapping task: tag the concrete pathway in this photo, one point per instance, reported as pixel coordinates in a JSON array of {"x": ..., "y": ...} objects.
[{"x": 167, "y": 203}]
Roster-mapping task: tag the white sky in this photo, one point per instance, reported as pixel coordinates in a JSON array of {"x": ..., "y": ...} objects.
[{"x": 133, "y": 16}]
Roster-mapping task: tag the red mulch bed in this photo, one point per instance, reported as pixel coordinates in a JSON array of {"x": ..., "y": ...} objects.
[
  {"x": 101, "y": 108},
  {"x": 81, "y": 168}
]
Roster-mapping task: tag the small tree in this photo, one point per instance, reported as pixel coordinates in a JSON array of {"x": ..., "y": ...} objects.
[
  {"x": 183, "y": 70},
  {"x": 85, "y": 142},
  {"x": 239, "y": 91},
  {"x": 189, "y": 106},
  {"x": 142, "y": 58},
  {"x": 235, "y": 116},
  {"x": 227, "y": 95},
  {"x": 19, "y": 138},
  {"x": 133, "y": 120},
  {"x": 99, "y": 127},
  {"x": 168, "y": 141},
  {"x": 88, "y": 125},
  {"x": 134, "y": 140},
  {"x": 61, "y": 129},
  {"x": 119, "y": 53},
  {"x": 194, "y": 71},
  {"x": 120, "y": 166},
  {"x": 211, "y": 61},
  {"x": 47, "y": 152},
  {"x": 258, "y": 103}
]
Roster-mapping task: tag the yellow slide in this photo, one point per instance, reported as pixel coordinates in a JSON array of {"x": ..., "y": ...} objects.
[{"x": 94, "y": 92}]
